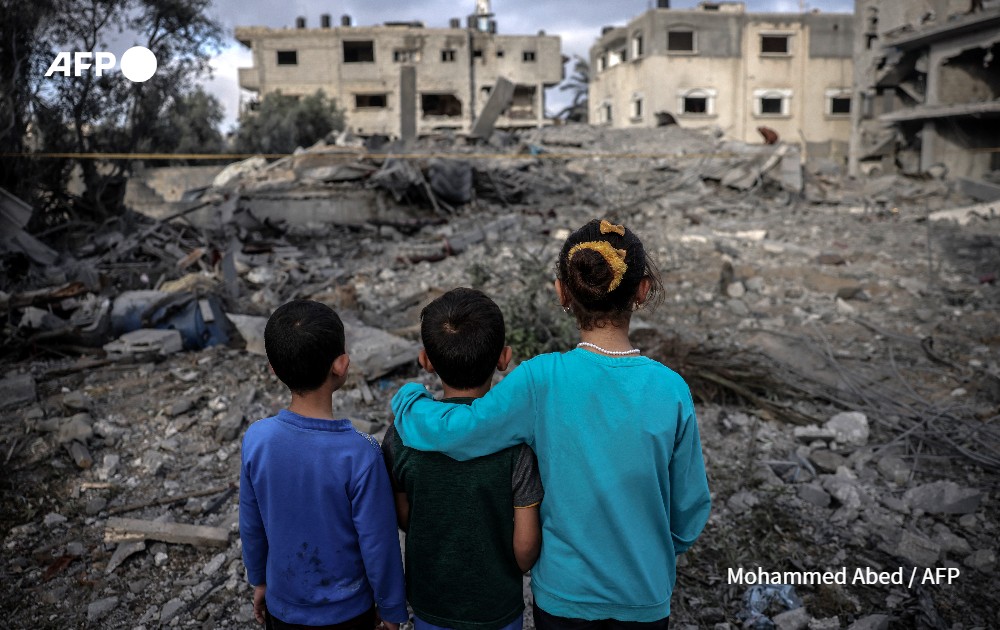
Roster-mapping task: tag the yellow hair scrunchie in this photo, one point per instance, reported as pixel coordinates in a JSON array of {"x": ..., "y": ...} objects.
[
  {"x": 607, "y": 227},
  {"x": 614, "y": 257}
]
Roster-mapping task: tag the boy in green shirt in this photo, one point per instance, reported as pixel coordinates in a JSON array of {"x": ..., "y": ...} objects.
[{"x": 472, "y": 527}]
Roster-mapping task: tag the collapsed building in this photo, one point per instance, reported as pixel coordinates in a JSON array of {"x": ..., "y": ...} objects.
[
  {"x": 929, "y": 86},
  {"x": 403, "y": 78},
  {"x": 717, "y": 65}
]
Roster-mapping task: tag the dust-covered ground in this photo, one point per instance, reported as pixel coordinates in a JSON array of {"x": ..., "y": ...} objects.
[{"x": 841, "y": 342}]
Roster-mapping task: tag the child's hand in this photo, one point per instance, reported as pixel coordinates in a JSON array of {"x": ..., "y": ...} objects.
[{"x": 259, "y": 608}]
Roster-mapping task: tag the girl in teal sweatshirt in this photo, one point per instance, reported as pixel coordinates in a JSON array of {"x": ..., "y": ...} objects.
[{"x": 616, "y": 438}]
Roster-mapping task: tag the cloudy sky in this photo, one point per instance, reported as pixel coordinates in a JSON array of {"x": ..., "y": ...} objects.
[{"x": 577, "y": 23}]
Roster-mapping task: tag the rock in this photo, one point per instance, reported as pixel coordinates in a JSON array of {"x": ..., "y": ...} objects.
[
  {"x": 170, "y": 610},
  {"x": 229, "y": 426},
  {"x": 893, "y": 469},
  {"x": 99, "y": 609},
  {"x": 17, "y": 391},
  {"x": 812, "y": 432},
  {"x": 738, "y": 307},
  {"x": 81, "y": 456},
  {"x": 755, "y": 284},
  {"x": 949, "y": 542},
  {"x": 179, "y": 407},
  {"x": 214, "y": 564},
  {"x": 827, "y": 460},
  {"x": 52, "y": 519},
  {"x": 871, "y": 622},
  {"x": 829, "y": 623},
  {"x": 831, "y": 259},
  {"x": 795, "y": 619},
  {"x": 849, "y": 293},
  {"x": 943, "y": 497},
  {"x": 736, "y": 289},
  {"x": 844, "y": 491},
  {"x": 917, "y": 550},
  {"x": 76, "y": 401},
  {"x": 95, "y": 505},
  {"x": 108, "y": 467},
  {"x": 742, "y": 501},
  {"x": 843, "y": 308},
  {"x": 984, "y": 560},
  {"x": 712, "y": 614},
  {"x": 849, "y": 427},
  {"x": 813, "y": 493},
  {"x": 75, "y": 549},
  {"x": 122, "y": 552},
  {"x": 78, "y": 427}
]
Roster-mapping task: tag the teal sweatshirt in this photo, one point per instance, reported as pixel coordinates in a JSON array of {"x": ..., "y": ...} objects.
[{"x": 620, "y": 459}]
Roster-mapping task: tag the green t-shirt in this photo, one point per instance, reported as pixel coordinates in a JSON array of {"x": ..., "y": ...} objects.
[{"x": 460, "y": 566}]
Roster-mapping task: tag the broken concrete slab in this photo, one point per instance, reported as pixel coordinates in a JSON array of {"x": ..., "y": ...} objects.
[
  {"x": 147, "y": 340},
  {"x": 122, "y": 552},
  {"x": 376, "y": 352},
  {"x": 943, "y": 497},
  {"x": 17, "y": 390},
  {"x": 917, "y": 549},
  {"x": 849, "y": 427},
  {"x": 118, "y": 529},
  {"x": 963, "y": 216},
  {"x": 251, "y": 328}
]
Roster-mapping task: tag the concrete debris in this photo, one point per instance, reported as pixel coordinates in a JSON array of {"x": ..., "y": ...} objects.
[
  {"x": 849, "y": 427},
  {"x": 943, "y": 497},
  {"x": 99, "y": 609},
  {"x": 147, "y": 341},
  {"x": 871, "y": 622},
  {"x": 824, "y": 359},
  {"x": 796, "y": 619},
  {"x": 17, "y": 390}
]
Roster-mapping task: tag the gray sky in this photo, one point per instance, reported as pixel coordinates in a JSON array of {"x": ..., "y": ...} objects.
[{"x": 577, "y": 23}]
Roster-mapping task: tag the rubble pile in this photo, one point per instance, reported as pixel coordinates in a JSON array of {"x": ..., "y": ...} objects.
[{"x": 840, "y": 337}]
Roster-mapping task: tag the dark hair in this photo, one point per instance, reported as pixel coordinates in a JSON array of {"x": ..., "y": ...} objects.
[
  {"x": 302, "y": 338},
  {"x": 588, "y": 276},
  {"x": 463, "y": 334}
]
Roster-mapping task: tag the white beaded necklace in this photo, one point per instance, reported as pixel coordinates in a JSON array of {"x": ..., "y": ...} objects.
[{"x": 614, "y": 353}]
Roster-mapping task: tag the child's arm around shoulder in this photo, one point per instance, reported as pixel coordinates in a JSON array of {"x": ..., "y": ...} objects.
[
  {"x": 505, "y": 416},
  {"x": 528, "y": 495}
]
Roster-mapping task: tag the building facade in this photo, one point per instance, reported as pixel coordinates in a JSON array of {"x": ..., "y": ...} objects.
[
  {"x": 927, "y": 78},
  {"x": 401, "y": 78},
  {"x": 717, "y": 65}
]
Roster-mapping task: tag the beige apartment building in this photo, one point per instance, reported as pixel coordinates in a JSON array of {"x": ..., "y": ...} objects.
[
  {"x": 402, "y": 78},
  {"x": 927, "y": 78},
  {"x": 719, "y": 66}
]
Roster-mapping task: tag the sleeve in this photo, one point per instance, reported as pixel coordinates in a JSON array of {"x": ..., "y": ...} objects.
[
  {"x": 252, "y": 535},
  {"x": 526, "y": 481},
  {"x": 690, "y": 501},
  {"x": 389, "y": 453},
  {"x": 374, "y": 517},
  {"x": 505, "y": 416}
]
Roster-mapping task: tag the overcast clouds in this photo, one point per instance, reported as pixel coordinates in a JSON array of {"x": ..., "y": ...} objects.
[{"x": 577, "y": 23}]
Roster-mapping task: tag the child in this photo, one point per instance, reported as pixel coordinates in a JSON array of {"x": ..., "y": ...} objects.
[
  {"x": 316, "y": 514},
  {"x": 472, "y": 527},
  {"x": 616, "y": 439}
]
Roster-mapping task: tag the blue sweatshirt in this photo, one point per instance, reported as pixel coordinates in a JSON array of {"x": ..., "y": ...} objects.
[
  {"x": 317, "y": 521},
  {"x": 621, "y": 462}
]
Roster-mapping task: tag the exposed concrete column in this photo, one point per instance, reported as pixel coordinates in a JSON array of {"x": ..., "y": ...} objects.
[
  {"x": 540, "y": 104},
  {"x": 928, "y": 145},
  {"x": 408, "y": 102}
]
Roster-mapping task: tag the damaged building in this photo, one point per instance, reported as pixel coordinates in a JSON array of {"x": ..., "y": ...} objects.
[
  {"x": 717, "y": 65},
  {"x": 403, "y": 78},
  {"x": 929, "y": 87}
]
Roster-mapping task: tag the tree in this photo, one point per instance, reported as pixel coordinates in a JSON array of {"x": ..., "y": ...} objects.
[
  {"x": 283, "y": 122},
  {"x": 191, "y": 124},
  {"x": 579, "y": 84},
  {"x": 108, "y": 113}
]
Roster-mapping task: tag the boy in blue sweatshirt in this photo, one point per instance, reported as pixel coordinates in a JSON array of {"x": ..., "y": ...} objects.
[{"x": 317, "y": 520}]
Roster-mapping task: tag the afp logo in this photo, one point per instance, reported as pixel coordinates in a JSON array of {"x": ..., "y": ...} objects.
[{"x": 138, "y": 63}]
